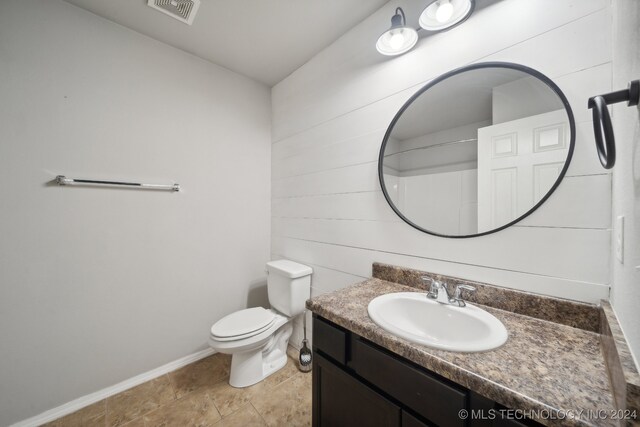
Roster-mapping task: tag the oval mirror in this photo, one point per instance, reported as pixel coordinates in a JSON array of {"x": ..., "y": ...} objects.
[{"x": 476, "y": 150}]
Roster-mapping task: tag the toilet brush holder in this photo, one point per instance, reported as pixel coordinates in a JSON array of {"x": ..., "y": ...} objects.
[{"x": 305, "y": 357}]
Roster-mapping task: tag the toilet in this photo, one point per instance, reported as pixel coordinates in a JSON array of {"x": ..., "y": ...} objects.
[{"x": 257, "y": 338}]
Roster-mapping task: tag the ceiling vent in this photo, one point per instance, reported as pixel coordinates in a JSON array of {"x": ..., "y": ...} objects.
[{"x": 182, "y": 10}]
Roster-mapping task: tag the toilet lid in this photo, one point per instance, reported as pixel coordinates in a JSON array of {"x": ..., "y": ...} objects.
[{"x": 243, "y": 322}]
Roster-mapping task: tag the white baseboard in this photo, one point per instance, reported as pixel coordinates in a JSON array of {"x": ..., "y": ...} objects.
[{"x": 81, "y": 402}]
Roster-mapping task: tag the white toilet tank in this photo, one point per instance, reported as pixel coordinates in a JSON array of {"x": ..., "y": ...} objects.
[{"x": 289, "y": 286}]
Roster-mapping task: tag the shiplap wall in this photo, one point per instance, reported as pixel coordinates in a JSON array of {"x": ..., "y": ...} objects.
[{"x": 329, "y": 118}]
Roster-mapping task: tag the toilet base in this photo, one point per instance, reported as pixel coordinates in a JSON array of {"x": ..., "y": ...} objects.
[{"x": 251, "y": 367}]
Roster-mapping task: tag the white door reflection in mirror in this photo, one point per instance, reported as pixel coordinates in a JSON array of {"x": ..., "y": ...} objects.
[{"x": 518, "y": 162}]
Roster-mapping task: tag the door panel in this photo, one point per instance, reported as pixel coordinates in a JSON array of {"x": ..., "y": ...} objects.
[{"x": 518, "y": 163}]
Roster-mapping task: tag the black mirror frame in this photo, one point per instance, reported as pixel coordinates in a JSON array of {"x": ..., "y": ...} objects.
[{"x": 509, "y": 65}]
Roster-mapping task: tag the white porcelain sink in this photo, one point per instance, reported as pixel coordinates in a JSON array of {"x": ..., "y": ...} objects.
[{"x": 421, "y": 320}]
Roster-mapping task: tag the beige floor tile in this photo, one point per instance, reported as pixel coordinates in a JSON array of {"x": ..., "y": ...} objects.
[
  {"x": 205, "y": 372},
  {"x": 287, "y": 404},
  {"x": 73, "y": 420},
  {"x": 282, "y": 399},
  {"x": 246, "y": 416},
  {"x": 283, "y": 374},
  {"x": 138, "y": 422},
  {"x": 134, "y": 403},
  {"x": 229, "y": 399},
  {"x": 92, "y": 415},
  {"x": 293, "y": 352},
  {"x": 99, "y": 421},
  {"x": 195, "y": 409}
]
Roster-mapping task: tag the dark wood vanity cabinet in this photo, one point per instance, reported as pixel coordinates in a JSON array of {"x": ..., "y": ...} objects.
[{"x": 357, "y": 383}]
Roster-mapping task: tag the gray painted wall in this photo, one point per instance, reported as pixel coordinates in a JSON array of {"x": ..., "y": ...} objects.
[{"x": 99, "y": 285}]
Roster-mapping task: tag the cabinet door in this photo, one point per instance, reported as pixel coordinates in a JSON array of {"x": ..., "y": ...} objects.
[
  {"x": 409, "y": 420},
  {"x": 341, "y": 400}
]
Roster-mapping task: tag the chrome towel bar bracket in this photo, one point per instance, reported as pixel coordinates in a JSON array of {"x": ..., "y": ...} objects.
[
  {"x": 63, "y": 180},
  {"x": 602, "y": 127}
]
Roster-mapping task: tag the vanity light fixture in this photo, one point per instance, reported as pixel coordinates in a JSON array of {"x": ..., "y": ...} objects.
[
  {"x": 443, "y": 14},
  {"x": 437, "y": 16},
  {"x": 399, "y": 38}
]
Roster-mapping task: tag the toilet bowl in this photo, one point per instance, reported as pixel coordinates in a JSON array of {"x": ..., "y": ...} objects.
[{"x": 257, "y": 338}]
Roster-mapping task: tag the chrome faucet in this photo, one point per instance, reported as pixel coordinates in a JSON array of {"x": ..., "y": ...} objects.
[{"x": 439, "y": 292}]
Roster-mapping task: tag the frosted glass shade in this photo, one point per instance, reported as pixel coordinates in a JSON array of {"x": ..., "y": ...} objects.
[
  {"x": 442, "y": 14},
  {"x": 397, "y": 41}
]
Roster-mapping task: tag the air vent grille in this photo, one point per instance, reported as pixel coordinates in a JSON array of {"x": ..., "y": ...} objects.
[{"x": 182, "y": 10}]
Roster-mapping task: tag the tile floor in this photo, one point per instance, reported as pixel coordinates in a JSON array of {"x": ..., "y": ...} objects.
[{"x": 199, "y": 395}]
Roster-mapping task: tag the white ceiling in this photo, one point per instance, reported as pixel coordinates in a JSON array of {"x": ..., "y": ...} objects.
[{"x": 263, "y": 39}]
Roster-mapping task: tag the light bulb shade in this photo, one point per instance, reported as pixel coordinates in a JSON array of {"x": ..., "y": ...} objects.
[
  {"x": 399, "y": 38},
  {"x": 443, "y": 14},
  {"x": 397, "y": 41}
]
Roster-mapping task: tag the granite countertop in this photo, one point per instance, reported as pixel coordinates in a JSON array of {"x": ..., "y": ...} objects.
[{"x": 543, "y": 366}]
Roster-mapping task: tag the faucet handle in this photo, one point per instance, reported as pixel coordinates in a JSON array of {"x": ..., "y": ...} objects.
[
  {"x": 434, "y": 288},
  {"x": 456, "y": 296}
]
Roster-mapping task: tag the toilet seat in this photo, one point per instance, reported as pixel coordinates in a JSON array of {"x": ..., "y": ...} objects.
[{"x": 243, "y": 324}]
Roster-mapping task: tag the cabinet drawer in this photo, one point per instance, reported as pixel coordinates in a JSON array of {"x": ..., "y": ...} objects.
[
  {"x": 330, "y": 339},
  {"x": 433, "y": 399}
]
